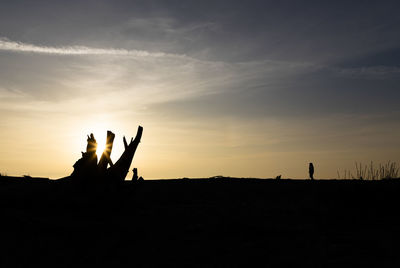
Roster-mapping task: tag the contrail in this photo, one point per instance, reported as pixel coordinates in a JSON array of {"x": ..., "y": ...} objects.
[{"x": 8, "y": 45}]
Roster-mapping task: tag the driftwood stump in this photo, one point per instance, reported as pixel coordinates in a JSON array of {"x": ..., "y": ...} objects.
[{"x": 87, "y": 169}]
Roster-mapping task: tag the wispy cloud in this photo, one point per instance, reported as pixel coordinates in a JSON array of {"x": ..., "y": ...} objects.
[
  {"x": 13, "y": 46},
  {"x": 150, "y": 77}
]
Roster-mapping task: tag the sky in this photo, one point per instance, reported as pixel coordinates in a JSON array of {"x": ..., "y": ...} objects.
[{"x": 233, "y": 88}]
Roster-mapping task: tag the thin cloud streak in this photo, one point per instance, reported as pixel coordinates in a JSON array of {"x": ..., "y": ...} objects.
[
  {"x": 15, "y": 46},
  {"x": 8, "y": 45}
]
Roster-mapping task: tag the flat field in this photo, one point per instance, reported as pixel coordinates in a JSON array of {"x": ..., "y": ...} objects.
[{"x": 221, "y": 222}]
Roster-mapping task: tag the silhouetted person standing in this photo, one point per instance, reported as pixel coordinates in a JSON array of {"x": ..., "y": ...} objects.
[{"x": 311, "y": 171}]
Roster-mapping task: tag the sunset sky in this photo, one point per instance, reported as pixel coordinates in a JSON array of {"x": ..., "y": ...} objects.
[{"x": 234, "y": 88}]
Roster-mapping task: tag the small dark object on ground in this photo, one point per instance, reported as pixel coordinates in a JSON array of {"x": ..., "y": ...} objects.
[{"x": 135, "y": 175}]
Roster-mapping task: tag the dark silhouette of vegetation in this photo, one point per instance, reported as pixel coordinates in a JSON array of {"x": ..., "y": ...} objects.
[{"x": 389, "y": 170}]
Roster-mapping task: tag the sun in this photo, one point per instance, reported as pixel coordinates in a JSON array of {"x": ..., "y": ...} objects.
[
  {"x": 100, "y": 134},
  {"x": 99, "y": 126}
]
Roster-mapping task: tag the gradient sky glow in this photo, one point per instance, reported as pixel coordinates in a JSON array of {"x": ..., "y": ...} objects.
[{"x": 235, "y": 88}]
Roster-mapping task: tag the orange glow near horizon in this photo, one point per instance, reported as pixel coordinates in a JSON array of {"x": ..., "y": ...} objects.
[{"x": 172, "y": 150}]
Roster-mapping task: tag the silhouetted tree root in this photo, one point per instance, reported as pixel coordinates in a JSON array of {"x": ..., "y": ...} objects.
[{"x": 87, "y": 170}]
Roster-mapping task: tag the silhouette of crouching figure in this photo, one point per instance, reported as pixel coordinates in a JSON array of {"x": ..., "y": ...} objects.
[{"x": 135, "y": 177}]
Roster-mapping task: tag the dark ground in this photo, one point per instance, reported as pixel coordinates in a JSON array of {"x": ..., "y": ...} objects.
[{"x": 209, "y": 223}]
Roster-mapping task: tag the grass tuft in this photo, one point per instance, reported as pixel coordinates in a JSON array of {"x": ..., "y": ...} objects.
[{"x": 389, "y": 170}]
